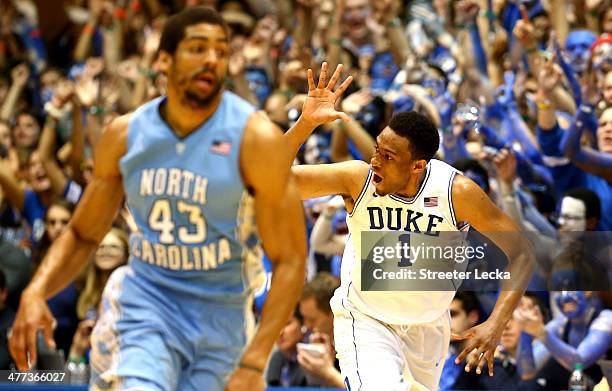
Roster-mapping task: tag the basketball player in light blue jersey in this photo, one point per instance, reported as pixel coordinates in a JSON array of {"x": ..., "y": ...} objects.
[{"x": 196, "y": 167}]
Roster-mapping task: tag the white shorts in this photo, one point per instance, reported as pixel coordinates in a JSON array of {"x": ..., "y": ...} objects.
[{"x": 377, "y": 356}]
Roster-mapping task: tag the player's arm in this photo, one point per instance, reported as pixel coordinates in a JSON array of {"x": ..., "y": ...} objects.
[
  {"x": 471, "y": 204},
  {"x": 70, "y": 252},
  {"x": 280, "y": 222},
  {"x": 92, "y": 218},
  {"x": 318, "y": 180}
]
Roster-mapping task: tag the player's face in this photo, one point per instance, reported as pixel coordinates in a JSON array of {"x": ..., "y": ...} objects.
[
  {"x": 393, "y": 164},
  {"x": 290, "y": 335},
  {"x": 314, "y": 318},
  {"x": 604, "y": 131},
  {"x": 198, "y": 68}
]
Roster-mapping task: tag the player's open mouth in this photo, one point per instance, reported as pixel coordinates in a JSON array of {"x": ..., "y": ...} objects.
[
  {"x": 376, "y": 179},
  {"x": 204, "y": 80}
]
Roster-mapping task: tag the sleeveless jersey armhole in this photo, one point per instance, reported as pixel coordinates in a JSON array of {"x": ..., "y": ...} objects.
[
  {"x": 363, "y": 192},
  {"x": 450, "y": 199}
]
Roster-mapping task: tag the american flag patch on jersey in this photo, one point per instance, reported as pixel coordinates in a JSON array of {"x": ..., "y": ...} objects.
[
  {"x": 430, "y": 202},
  {"x": 221, "y": 147}
]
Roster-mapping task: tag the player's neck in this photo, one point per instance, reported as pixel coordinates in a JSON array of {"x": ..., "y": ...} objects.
[
  {"x": 413, "y": 186},
  {"x": 184, "y": 119}
]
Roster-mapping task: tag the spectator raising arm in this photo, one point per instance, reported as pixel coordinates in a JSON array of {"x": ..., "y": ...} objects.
[
  {"x": 84, "y": 43},
  {"x": 596, "y": 162},
  {"x": 77, "y": 143},
  {"x": 19, "y": 75},
  {"x": 47, "y": 144}
]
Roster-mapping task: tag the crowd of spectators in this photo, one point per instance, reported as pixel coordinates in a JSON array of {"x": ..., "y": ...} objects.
[{"x": 520, "y": 90}]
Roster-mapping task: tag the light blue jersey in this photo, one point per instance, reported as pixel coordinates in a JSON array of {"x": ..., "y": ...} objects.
[
  {"x": 187, "y": 197},
  {"x": 174, "y": 318}
]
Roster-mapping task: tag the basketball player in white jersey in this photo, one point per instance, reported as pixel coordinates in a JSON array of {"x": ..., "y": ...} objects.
[{"x": 398, "y": 340}]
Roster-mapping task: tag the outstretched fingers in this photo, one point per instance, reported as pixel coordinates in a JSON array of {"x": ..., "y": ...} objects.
[
  {"x": 335, "y": 77},
  {"x": 311, "y": 85},
  {"x": 345, "y": 84},
  {"x": 322, "y": 76}
]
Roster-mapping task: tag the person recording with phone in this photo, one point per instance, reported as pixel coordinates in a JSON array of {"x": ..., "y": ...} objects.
[{"x": 317, "y": 358}]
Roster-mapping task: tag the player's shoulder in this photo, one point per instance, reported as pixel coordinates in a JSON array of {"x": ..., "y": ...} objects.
[
  {"x": 463, "y": 185},
  {"x": 113, "y": 141},
  {"x": 119, "y": 125},
  {"x": 260, "y": 131},
  {"x": 355, "y": 174},
  {"x": 259, "y": 123}
]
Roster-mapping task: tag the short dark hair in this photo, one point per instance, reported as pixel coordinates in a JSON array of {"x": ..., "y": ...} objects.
[
  {"x": 321, "y": 288},
  {"x": 539, "y": 302},
  {"x": 421, "y": 133},
  {"x": 61, "y": 203},
  {"x": 174, "y": 29},
  {"x": 469, "y": 301},
  {"x": 590, "y": 199}
]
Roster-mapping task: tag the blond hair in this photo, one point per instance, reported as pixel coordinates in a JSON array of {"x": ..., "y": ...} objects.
[{"x": 96, "y": 280}]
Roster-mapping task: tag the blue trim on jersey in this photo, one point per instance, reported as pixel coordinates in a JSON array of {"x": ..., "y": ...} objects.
[
  {"x": 450, "y": 199},
  {"x": 363, "y": 191},
  {"x": 355, "y": 344}
]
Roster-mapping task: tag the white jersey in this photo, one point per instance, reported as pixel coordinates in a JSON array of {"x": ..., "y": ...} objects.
[{"x": 433, "y": 201}]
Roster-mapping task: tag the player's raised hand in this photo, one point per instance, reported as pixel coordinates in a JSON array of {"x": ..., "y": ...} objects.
[
  {"x": 482, "y": 340},
  {"x": 320, "y": 105},
  {"x": 33, "y": 315}
]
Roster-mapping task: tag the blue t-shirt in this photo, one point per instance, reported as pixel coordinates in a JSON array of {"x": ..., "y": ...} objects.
[
  {"x": 568, "y": 176},
  {"x": 34, "y": 210}
]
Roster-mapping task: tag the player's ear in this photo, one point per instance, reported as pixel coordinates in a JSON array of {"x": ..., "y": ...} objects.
[
  {"x": 164, "y": 61},
  {"x": 419, "y": 165}
]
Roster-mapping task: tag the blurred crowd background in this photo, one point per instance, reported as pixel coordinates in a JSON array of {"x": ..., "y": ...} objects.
[{"x": 521, "y": 91}]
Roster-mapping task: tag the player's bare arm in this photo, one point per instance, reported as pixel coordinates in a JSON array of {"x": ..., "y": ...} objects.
[
  {"x": 70, "y": 252},
  {"x": 280, "y": 222},
  {"x": 318, "y": 180},
  {"x": 488, "y": 219}
]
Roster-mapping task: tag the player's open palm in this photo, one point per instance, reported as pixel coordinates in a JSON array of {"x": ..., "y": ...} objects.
[
  {"x": 481, "y": 342},
  {"x": 33, "y": 315},
  {"x": 244, "y": 379},
  {"x": 320, "y": 105}
]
